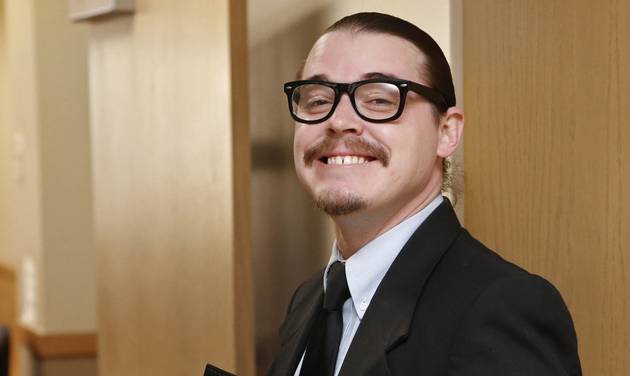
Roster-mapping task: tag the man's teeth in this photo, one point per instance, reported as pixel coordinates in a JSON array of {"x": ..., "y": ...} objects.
[{"x": 346, "y": 160}]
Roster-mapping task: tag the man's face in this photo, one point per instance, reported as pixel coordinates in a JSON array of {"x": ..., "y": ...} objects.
[{"x": 390, "y": 163}]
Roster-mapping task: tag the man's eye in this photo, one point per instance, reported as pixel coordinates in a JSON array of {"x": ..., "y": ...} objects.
[
  {"x": 316, "y": 102},
  {"x": 380, "y": 101},
  {"x": 376, "y": 101}
]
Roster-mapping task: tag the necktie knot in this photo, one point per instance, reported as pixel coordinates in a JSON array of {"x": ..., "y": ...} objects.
[{"x": 337, "y": 291}]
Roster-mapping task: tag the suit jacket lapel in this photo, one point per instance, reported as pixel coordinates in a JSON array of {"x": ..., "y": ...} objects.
[
  {"x": 295, "y": 330},
  {"x": 386, "y": 322}
]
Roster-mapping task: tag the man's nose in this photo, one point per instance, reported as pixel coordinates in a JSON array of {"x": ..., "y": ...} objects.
[{"x": 345, "y": 119}]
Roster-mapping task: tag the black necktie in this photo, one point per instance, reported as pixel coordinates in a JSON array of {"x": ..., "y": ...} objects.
[{"x": 323, "y": 344}]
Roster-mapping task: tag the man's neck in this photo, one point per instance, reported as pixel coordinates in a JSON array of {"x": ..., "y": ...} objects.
[{"x": 354, "y": 231}]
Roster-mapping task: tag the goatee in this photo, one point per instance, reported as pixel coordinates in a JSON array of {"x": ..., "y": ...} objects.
[{"x": 335, "y": 203}]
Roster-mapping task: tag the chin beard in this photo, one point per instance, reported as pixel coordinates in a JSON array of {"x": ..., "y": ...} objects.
[{"x": 336, "y": 203}]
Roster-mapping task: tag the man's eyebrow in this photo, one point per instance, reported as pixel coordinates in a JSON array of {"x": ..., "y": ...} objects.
[
  {"x": 373, "y": 75},
  {"x": 318, "y": 77}
]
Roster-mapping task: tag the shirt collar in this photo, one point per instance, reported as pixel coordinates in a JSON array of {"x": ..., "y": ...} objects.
[{"x": 367, "y": 267}]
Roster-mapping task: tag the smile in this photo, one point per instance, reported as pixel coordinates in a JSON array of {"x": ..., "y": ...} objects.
[{"x": 346, "y": 160}]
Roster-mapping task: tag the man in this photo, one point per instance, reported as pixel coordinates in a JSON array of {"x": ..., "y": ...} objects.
[{"x": 407, "y": 291}]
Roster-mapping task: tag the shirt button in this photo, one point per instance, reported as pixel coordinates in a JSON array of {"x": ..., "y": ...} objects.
[{"x": 364, "y": 304}]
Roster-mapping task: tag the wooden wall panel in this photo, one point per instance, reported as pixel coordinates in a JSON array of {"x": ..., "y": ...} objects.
[
  {"x": 547, "y": 154},
  {"x": 8, "y": 309},
  {"x": 172, "y": 250},
  {"x": 241, "y": 180}
]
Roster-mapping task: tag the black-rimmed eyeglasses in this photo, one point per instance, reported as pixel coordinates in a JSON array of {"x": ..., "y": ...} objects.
[{"x": 375, "y": 100}]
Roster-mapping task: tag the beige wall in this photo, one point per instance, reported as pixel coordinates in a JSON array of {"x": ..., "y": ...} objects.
[
  {"x": 45, "y": 177},
  {"x": 291, "y": 239},
  {"x": 23, "y": 126},
  {"x": 68, "y": 278},
  {"x": 20, "y": 123},
  {"x": 50, "y": 190},
  {"x": 169, "y": 126},
  {"x": 7, "y": 256}
]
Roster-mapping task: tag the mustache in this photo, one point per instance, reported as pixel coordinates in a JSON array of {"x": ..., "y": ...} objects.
[{"x": 353, "y": 144}]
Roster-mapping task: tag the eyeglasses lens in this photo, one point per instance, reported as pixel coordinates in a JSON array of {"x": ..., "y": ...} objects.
[
  {"x": 377, "y": 100},
  {"x": 312, "y": 101}
]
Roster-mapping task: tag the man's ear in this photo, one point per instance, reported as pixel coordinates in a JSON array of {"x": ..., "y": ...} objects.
[{"x": 450, "y": 131}]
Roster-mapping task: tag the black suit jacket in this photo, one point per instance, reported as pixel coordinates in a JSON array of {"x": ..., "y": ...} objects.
[{"x": 447, "y": 306}]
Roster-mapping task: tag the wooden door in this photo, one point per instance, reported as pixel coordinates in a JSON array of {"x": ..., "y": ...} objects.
[
  {"x": 547, "y": 150},
  {"x": 171, "y": 168}
]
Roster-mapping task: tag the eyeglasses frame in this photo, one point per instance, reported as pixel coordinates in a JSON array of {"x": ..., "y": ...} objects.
[{"x": 404, "y": 86}]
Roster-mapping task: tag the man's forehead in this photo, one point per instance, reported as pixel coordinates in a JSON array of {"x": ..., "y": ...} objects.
[{"x": 362, "y": 55}]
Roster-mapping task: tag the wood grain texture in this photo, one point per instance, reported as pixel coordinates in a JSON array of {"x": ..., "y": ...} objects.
[
  {"x": 241, "y": 172},
  {"x": 547, "y": 154},
  {"x": 8, "y": 307},
  {"x": 165, "y": 166},
  {"x": 57, "y": 346}
]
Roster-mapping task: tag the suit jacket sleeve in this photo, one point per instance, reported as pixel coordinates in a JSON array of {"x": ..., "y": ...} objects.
[{"x": 517, "y": 326}]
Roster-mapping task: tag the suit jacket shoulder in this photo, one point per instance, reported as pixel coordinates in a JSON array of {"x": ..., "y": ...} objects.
[{"x": 482, "y": 315}]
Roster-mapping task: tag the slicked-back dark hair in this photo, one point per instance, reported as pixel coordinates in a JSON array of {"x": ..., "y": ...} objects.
[{"x": 436, "y": 71}]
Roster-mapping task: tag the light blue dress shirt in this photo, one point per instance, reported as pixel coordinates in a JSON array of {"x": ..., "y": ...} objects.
[{"x": 365, "y": 270}]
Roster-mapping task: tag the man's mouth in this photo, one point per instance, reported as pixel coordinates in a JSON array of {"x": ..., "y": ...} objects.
[
  {"x": 346, "y": 160},
  {"x": 349, "y": 151}
]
